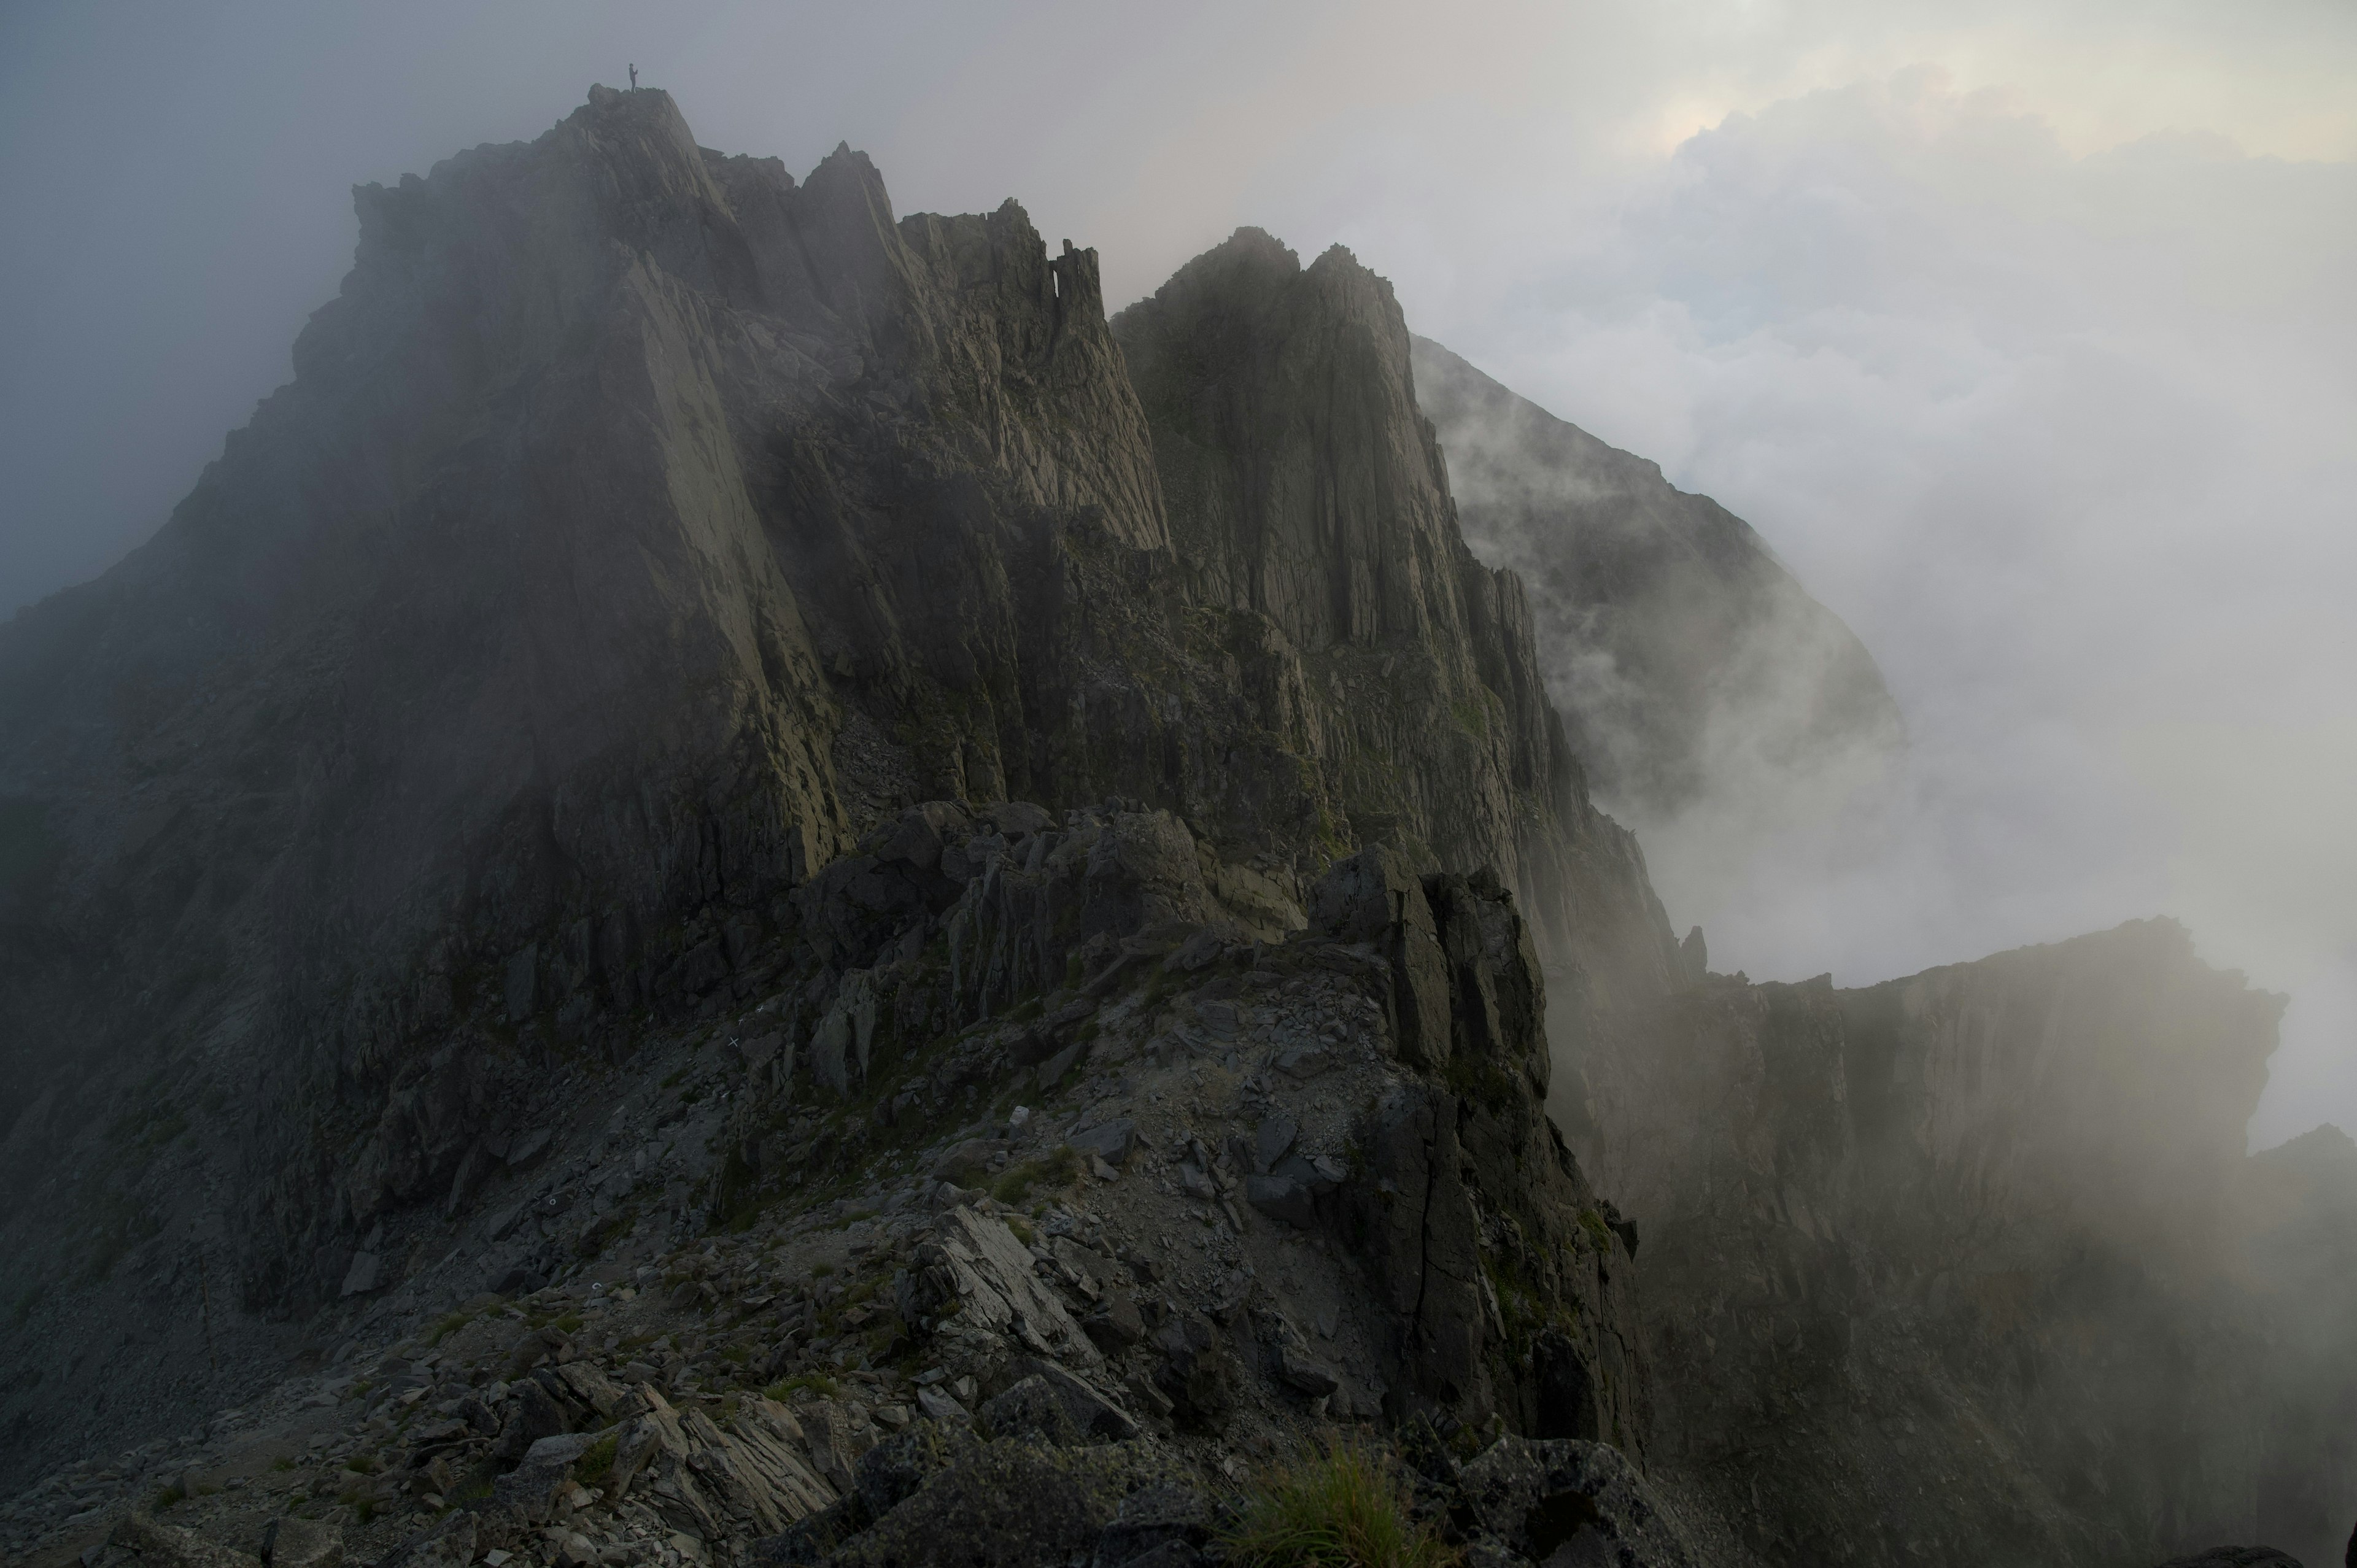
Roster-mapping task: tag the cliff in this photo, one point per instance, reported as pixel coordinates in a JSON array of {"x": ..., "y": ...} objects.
[
  {"x": 1984, "y": 1225},
  {"x": 1687, "y": 660}
]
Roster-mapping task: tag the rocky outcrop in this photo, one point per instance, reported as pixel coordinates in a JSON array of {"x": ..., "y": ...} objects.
[
  {"x": 642, "y": 530},
  {"x": 1686, "y": 660},
  {"x": 1980, "y": 1225}
]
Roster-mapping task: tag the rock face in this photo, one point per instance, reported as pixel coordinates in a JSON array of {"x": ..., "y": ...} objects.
[
  {"x": 1985, "y": 1224},
  {"x": 1686, "y": 660},
  {"x": 642, "y": 530}
]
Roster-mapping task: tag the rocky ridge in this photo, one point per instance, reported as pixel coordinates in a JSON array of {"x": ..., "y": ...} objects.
[
  {"x": 1102, "y": 1253},
  {"x": 642, "y": 528}
]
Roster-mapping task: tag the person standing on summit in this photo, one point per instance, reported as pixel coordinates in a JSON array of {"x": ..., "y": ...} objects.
[{"x": 634, "y": 76}]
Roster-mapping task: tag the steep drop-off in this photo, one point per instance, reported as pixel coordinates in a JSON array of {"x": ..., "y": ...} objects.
[
  {"x": 1959, "y": 1266},
  {"x": 1689, "y": 663}
]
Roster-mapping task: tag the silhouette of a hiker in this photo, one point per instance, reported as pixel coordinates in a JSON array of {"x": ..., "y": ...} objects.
[{"x": 634, "y": 79}]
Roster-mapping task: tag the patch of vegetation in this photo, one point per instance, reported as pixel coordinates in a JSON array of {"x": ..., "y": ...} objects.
[
  {"x": 818, "y": 1383},
  {"x": 1597, "y": 1232},
  {"x": 568, "y": 1324},
  {"x": 1346, "y": 1508},
  {"x": 449, "y": 1325},
  {"x": 596, "y": 1460},
  {"x": 360, "y": 1464},
  {"x": 1057, "y": 1170},
  {"x": 284, "y": 1462},
  {"x": 174, "y": 1493}
]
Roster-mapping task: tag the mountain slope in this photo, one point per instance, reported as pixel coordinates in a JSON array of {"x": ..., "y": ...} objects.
[{"x": 643, "y": 534}]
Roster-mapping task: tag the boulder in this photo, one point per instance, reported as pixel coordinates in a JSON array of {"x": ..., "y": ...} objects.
[
  {"x": 451, "y": 1542},
  {"x": 170, "y": 1546},
  {"x": 1272, "y": 1142},
  {"x": 291, "y": 1543},
  {"x": 1111, "y": 1141},
  {"x": 1305, "y": 1372},
  {"x": 1199, "y": 1375},
  {"x": 533, "y": 1414},
  {"x": 973, "y": 1263},
  {"x": 1007, "y": 1504},
  {"x": 366, "y": 1274},
  {"x": 1056, "y": 1406},
  {"x": 1584, "y": 1500},
  {"x": 1282, "y": 1197},
  {"x": 1156, "y": 1527},
  {"x": 747, "y": 1479}
]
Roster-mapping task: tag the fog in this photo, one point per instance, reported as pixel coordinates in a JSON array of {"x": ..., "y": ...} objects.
[{"x": 2021, "y": 333}]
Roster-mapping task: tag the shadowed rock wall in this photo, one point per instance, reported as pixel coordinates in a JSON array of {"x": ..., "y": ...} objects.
[{"x": 1978, "y": 1227}]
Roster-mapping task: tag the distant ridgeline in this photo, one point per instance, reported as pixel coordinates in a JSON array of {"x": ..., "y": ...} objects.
[{"x": 639, "y": 609}]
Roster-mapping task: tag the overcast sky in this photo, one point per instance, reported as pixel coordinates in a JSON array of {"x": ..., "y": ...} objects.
[{"x": 2024, "y": 333}]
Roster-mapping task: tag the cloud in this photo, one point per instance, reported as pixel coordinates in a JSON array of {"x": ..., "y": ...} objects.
[{"x": 2065, "y": 439}]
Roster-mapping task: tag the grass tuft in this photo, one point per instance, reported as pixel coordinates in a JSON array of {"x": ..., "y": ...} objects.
[
  {"x": 818, "y": 1383},
  {"x": 1346, "y": 1508},
  {"x": 596, "y": 1459}
]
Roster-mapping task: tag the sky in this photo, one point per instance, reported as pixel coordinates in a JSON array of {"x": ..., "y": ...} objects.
[{"x": 2021, "y": 331}]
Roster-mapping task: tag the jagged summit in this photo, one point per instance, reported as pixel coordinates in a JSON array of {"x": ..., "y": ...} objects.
[{"x": 643, "y": 534}]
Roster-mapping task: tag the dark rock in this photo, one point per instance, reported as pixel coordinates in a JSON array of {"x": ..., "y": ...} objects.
[
  {"x": 1200, "y": 1374},
  {"x": 366, "y": 1274},
  {"x": 1156, "y": 1527},
  {"x": 452, "y": 1542},
  {"x": 1302, "y": 1371},
  {"x": 1111, "y": 1141},
  {"x": 291, "y": 1543},
  {"x": 171, "y": 1546},
  {"x": 531, "y": 1414},
  {"x": 899, "y": 1466},
  {"x": 1012, "y": 1504},
  {"x": 1115, "y": 1324},
  {"x": 1282, "y": 1197},
  {"x": 1054, "y": 1406},
  {"x": 2235, "y": 1557},
  {"x": 1272, "y": 1142},
  {"x": 1583, "y": 1500}
]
